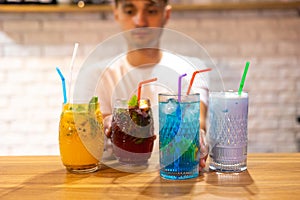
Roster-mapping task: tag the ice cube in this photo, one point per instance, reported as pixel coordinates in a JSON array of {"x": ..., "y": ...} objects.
[
  {"x": 189, "y": 114},
  {"x": 171, "y": 106}
]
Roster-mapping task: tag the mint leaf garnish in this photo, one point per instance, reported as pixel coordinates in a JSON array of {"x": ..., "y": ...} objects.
[
  {"x": 93, "y": 103},
  {"x": 133, "y": 101},
  {"x": 94, "y": 99}
]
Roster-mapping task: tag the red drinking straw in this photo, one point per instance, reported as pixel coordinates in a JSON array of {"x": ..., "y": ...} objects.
[
  {"x": 193, "y": 77},
  {"x": 140, "y": 87}
]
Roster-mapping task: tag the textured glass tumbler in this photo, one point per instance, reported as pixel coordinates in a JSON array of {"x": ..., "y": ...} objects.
[
  {"x": 132, "y": 132},
  {"x": 81, "y": 137},
  {"x": 179, "y": 149},
  {"x": 228, "y": 117}
]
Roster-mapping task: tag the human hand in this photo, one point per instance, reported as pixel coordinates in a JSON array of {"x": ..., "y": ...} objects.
[
  {"x": 107, "y": 125},
  {"x": 108, "y": 149},
  {"x": 203, "y": 150}
]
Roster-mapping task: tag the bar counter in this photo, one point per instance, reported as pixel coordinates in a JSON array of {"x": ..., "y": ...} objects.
[{"x": 269, "y": 176}]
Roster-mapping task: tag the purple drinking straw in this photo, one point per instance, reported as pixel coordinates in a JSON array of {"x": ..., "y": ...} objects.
[{"x": 179, "y": 86}]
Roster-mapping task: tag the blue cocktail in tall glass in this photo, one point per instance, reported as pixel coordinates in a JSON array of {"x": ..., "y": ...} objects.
[{"x": 179, "y": 126}]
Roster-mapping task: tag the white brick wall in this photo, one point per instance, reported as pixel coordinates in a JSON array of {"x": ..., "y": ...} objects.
[{"x": 33, "y": 44}]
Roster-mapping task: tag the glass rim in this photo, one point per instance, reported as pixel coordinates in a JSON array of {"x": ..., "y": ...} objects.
[
  {"x": 122, "y": 103},
  {"x": 79, "y": 103},
  {"x": 221, "y": 94},
  {"x": 124, "y": 99},
  {"x": 172, "y": 95}
]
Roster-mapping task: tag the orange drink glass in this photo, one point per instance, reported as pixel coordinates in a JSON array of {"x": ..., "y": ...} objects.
[{"x": 81, "y": 137}]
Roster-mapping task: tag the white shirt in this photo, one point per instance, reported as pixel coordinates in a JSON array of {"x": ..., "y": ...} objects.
[{"x": 116, "y": 78}]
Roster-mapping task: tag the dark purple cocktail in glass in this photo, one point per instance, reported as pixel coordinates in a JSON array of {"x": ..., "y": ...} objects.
[{"x": 132, "y": 132}]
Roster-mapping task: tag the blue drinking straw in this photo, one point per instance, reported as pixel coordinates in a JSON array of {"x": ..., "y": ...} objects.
[
  {"x": 63, "y": 84},
  {"x": 179, "y": 86}
]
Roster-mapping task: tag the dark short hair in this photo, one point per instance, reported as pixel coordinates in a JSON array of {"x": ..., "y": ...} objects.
[{"x": 165, "y": 1}]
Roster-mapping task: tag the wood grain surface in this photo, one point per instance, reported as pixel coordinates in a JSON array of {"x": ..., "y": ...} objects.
[{"x": 269, "y": 176}]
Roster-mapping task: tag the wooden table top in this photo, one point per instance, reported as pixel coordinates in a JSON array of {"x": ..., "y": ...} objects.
[{"x": 269, "y": 176}]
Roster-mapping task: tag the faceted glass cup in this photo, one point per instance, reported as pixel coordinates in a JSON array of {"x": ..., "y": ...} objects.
[
  {"x": 179, "y": 126},
  {"x": 228, "y": 137}
]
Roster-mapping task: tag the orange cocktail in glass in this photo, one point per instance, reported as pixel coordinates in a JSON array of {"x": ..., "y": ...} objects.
[{"x": 81, "y": 137}]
